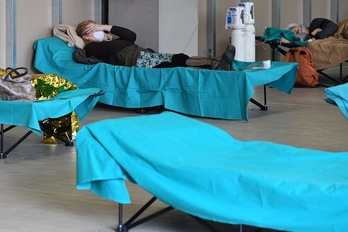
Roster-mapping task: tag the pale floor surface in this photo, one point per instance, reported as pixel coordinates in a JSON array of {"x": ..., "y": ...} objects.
[{"x": 37, "y": 181}]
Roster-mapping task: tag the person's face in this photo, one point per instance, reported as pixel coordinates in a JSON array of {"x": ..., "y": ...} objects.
[
  {"x": 296, "y": 30},
  {"x": 89, "y": 37}
]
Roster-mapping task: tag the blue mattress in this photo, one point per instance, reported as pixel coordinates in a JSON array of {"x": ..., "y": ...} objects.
[
  {"x": 203, "y": 171},
  {"x": 339, "y": 95},
  {"x": 207, "y": 93},
  {"x": 28, "y": 114}
]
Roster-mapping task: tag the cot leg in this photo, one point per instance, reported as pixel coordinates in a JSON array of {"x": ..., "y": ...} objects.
[
  {"x": 3, "y": 154},
  {"x": 206, "y": 224},
  {"x": 132, "y": 222},
  {"x": 120, "y": 227},
  {"x": 256, "y": 230},
  {"x": 18, "y": 142},
  {"x": 142, "y": 111},
  {"x": 328, "y": 77},
  {"x": 342, "y": 79},
  {"x": 68, "y": 140},
  {"x": 264, "y": 106},
  {"x": 265, "y": 98},
  {"x": 341, "y": 73}
]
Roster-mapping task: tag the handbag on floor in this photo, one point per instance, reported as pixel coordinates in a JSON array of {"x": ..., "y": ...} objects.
[{"x": 15, "y": 85}]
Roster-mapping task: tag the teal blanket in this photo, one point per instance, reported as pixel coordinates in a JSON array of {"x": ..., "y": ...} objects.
[
  {"x": 272, "y": 33},
  {"x": 29, "y": 114},
  {"x": 207, "y": 93},
  {"x": 203, "y": 171},
  {"x": 339, "y": 94}
]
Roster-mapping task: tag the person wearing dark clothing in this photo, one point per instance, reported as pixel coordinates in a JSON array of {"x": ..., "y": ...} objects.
[
  {"x": 326, "y": 28},
  {"x": 117, "y": 46},
  {"x": 319, "y": 28}
]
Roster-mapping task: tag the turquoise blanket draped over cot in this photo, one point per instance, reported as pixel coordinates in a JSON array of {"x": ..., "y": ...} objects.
[
  {"x": 207, "y": 93},
  {"x": 203, "y": 171},
  {"x": 29, "y": 114},
  {"x": 339, "y": 94}
]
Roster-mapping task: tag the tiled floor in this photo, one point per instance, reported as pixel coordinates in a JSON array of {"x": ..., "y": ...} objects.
[{"x": 37, "y": 181}]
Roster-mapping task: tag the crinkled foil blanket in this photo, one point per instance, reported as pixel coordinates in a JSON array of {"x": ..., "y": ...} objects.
[{"x": 47, "y": 86}]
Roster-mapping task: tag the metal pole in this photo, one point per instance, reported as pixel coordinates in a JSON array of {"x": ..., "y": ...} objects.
[
  {"x": 105, "y": 12},
  {"x": 276, "y": 13},
  {"x": 2, "y": 154},
  {"x": 11, "y": 35},
  {"x": 276, "y": 21},
  {"x": 120, "y": 227},
  {"x": 56, "y": 12},
  {"x": 334, "y": 14},
  {"x": 211, "y": 27},
  {"x": 307, "y": 12}
]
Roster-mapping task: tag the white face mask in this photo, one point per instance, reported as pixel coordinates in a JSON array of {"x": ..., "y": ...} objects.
[{"x": 99, "y": 35}]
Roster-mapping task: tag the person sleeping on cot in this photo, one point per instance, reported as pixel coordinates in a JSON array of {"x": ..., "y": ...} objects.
[{"x": 116, "y": 45}]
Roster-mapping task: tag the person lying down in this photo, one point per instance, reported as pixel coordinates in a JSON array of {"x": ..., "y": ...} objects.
[{"x": 120, "y": 49}]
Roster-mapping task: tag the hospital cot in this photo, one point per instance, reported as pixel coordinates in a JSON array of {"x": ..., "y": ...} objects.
[
  {"x": 327, "y": 53},
  {"x": 32, "y": 114},
  {"x": 338, "y": 95},
  {"x": 283, "y": 47},
  {"x": 201, "y": 170},
  {"x": 198, "y": 92}
]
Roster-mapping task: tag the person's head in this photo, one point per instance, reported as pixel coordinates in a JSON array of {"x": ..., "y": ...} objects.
[
  {"x": 300, "y": 31},
  {"x": 297, "y": 29},
  {"x": 88, "y": 37}
]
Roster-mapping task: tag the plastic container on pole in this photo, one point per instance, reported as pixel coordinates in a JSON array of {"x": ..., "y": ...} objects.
[
  {"x": 238, "y": 32},
  {"x": 249, "y": 20},
  {"x": 249, "y": 14},
  {"x": 249, "y": 42}
]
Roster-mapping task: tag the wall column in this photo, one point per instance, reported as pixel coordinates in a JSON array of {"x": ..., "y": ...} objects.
[
  {"x": 211, "y": 27},
  {"x": 307, "y": 12},
  {"x": 11, "y": 12},
  {"x": 56, "y": 12}
]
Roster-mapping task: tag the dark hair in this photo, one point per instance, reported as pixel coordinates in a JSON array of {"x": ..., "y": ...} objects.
[{"x": 81, "y": 27}]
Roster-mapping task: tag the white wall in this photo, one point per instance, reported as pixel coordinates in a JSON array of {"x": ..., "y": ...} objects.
[
  {"x": 321, "y": 9},
  {"x": 343, "y": 9},
  {"x": 141, "y": 18},
  {"x": 202, "y": 28},
  {"x": 76, "y": 11},
  {"x": 167, "y": 26},
  {"x": 178, "y": 25},
  {"x": 35, "y": 20},
  {"x": 34, "y": 24},
  {"x": 291, "y": 12}
]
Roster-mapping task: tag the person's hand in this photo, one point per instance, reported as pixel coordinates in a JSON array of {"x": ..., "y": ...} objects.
[
  {"x": 92, "y": 27},
  {"x": 316, "y": 31}
]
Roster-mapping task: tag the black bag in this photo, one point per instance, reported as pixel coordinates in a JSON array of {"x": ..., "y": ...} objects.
[{"x": 16, "y": 85}]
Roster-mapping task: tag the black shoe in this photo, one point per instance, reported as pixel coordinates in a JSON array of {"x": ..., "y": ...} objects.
[{"x": 227, "y": 59}]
